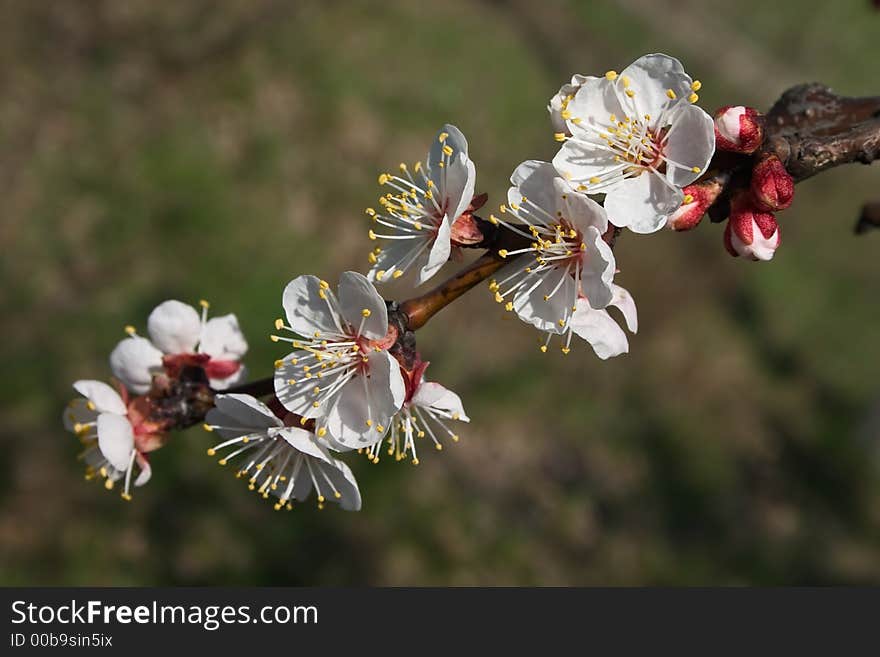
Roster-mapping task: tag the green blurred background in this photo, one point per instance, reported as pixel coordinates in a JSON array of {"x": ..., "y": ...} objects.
[{"x": 218, "y": 149}]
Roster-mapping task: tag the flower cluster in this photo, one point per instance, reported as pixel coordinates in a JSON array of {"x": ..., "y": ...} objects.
[
  {"x": 634, "y": 148},
  {"x": 119, "y": 429}
]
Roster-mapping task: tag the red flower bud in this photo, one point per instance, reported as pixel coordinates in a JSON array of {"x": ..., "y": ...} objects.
[
  {"x": 697, "y": 199},
  {"x": 750, "y": 231},
  {"x": 738, "y": 129},
  {"x": 772, "y": 185}
]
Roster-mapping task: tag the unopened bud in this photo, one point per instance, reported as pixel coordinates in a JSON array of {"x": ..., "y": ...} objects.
[
  {"x": 750, "y": 231},
  {"x": 559, "y": 104},
  {"x": 772, "y": 185},
  {"x": 697, "y": 199},
  {"x": 738, "y": 129}
]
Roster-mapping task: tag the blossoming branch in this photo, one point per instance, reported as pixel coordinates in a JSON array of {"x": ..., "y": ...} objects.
[{"x": 636, "y": 153}]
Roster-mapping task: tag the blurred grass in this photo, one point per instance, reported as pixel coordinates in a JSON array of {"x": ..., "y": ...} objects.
[{"x": 218, "y": 149}]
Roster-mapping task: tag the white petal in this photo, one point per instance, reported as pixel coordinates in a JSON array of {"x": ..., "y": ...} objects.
[
  {"x": 650, "y": 76},
  {"x": 134, "y": 361},
  {"x": 460, "y": 179},
  {"x": 115, "y": 439},
  {"x": 304, "y": 441},
  {"x": 642, "y": 204},
  {"x": 691, "y": 143},
  {"x": 600, "y": 330},
  {"x": 580, "y": 209},
  {"x": 598, "y": 269},
  {"x": 439, "y": 253},
  {"x": 578, "y": 162},
  {"x": 174, "y": 327},
  {"x": 544, "y": 314},
  {"x": 78, "y": 412},
  {"x": 401, "y": 252},
  {"x": 105, "y": 398},
  {"x": 146, "y": 470},
  {"x": 306, "y": 311},
  {"x": 435, "y": 397},
  {"x": 454, "y": 139},
  {"x": 245, "y": 411},
  {"x": 534, "y": 179},
  {"x": 382, "y": 398},
  {"x": 357, "y": 294},
  {"x": 592, "y": 107},
  {"x": 222, "y": 338},
  {"x": 626, "y": 304},
  {"x": 343, "y": 481}
]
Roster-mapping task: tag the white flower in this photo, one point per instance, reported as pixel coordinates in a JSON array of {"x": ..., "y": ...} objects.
[
  {"x": 424, "y": 412},
  {"x": 637, "y": 138},
  {"x": 279, "y": 459},
  {"x": 565, "y": 257},
  {"x": 177, "y": 332},
  {"x": 559, "y": 103},
  {"x": 115, "y": 435},
  {"x": 340, "y": 373},
  {"x": 416, "y": 219}
]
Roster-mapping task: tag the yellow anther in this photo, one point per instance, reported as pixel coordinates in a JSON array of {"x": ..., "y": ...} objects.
[
  {"x": 559, "y": 136},
  {"x": 371, "y": 212},
  {"x": 442, "y": 137},
  {"x": 207, "y": 427},
  {"x": 544, "y": 348},
  {"x": 594, "y": 180},
  {"x": 380, "y": 274},
  {"x": 91, "y": 405},
  {"x": 415, "y": 461},
  {"x": 324, "y": 285},
  {"x": 125, "y": 496},
  {"x": 508, "y": 306},
  {"x": 630, "y": 92},
  {"x": 493, "y": 285},
  {"x": 561, "y": 322},
  {"x": 670, "y": 94},
  {"x": 417, "y": 225},
  {"x": 369, "y": 423},
  {"x": 439, "y": 447},
  {"x": 372, "y": 258},
  {"x": 565, "y": 114},
  {"x": 130, "y": 330},
  {"x": 625, "y": 80},
  {"x": 687, "y": 199},
  {"x": 108, "y": 484},
  {"x": 204, "y": 303},
  {"x": 499, "y": 298},
  {"x": 397, "y": 274},
  {"x": 302, "y": 421},
  {"x": 372, "y": 234},
  {"x": 380, "y": 428},
  {"x": 417, "y": 166},
  {"x": 611, "y": 75},
  {"x": 696, "y": 169},
  {"x": 565, "y": 350},
  {"x": 337, "y": 494},
  {"x": 322, "y": 432},
  {"x": 696, "y": 85},
  {"x": 279, "y": 324},
  {"x": 493, "y": 220},
  {"x": 211, "y": 451},
  {"x": 454, "y": 437},
  {"x": 383, "y": 178},
  {"x": 693, "y": 98},
  {"x": 402, "y": 166},
  {"x": 447, "y": 150},
  {"x": 315, "y": 404},
  {"x": 366, "y": 312}
]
